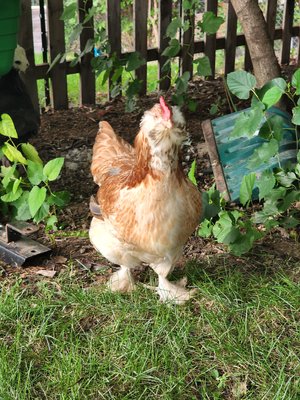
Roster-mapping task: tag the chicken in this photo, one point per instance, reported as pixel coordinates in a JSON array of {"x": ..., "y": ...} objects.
[{"x": 145, "y": 208}]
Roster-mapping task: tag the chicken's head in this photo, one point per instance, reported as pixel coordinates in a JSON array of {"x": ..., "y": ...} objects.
[{"x": 164, "y": 125}]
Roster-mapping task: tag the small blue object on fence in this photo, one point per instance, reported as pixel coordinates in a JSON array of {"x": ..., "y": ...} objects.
[{"x": 230, "y": 156}]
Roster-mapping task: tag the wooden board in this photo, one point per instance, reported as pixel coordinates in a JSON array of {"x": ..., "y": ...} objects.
[
  {"x": 57, "y": 45},
  {"x": 87, "y": 76},
  {"x": 271, "y": 18}
]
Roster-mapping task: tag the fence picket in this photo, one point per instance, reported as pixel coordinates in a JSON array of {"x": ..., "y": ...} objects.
[
  {"x": 188, "y": 44},
  {"x": 288, "y": 17},
  {"x": 210, "y": 40},
  {"x": 230, "y": 42},
  {"x": 140, "y": 38},
  {"x": 25, "y": 40},
  {"x": 114, "y": 29},
  {"x": 165, "y": 16},
  {"x": 57, "y": 45}
]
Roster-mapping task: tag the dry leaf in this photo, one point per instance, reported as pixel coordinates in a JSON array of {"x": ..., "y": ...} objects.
[
  {"x": 46, "y": 272},
  {"x": 59, "y": 259}
]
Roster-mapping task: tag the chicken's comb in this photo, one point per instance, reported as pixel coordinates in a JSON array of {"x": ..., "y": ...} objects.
[{"x": 166, "y": 112}]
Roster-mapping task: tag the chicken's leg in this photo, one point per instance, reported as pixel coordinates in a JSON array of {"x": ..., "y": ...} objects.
[
  {"x": 173, "y": 292},
  {"x": 122, "y": 280}
]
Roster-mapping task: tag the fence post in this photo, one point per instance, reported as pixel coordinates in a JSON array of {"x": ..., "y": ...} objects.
[
  {"x": 165, "y": 16},
  {"x": 87, "y": 76},
  {"x": 140, "y": 12},
  {"x": 57, "y": 45},
  {"x": 25, "y": 39}
]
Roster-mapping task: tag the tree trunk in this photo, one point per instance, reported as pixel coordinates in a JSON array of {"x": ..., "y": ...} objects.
[{"x": 265, "y": 63}]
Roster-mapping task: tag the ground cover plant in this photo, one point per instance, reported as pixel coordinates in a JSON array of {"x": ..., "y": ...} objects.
[{"x": 239, "y": 338}]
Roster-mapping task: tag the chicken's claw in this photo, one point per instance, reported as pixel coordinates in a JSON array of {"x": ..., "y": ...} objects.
[{"x": 174, "y": 292}]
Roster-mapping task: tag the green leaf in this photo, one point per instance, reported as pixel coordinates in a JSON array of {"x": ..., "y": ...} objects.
[
  {"x": 57, "y": 59},
  {"x": 240, "y": 83},
  {"x": 210, "y": 22},
  {"x": 42, "y": 213},
  {"x": 69, "y": 12},
  {"x": 76, "y": 32},
  {"x": 31, "y": 153},
  {"x": 7, "y": 127},
  {"x": 246, "y": 188},
  {"x": 298, "y": 156},
  {"x": 248, "y": 122},
  {"x": 192, "y": 105},
  {"x": 223, "y": 227},
  {"x": 272, "y": 127},
  {"x": 16, "y": 185},
  {"x": 296, "y": 81},
  {"x": 60, "y": 199},
  {"x": 89, "y": 15},
  {"x": 35, "y": 172},
  {"x": 296, "y": 115},
  {"x": 278, "y": 83},
  {"x": 173, "y": 49},
  {"x": 173, "y": 27},
  {"x": 22, "y": 207},
  {"x": 244, "y": 242},
  {"x": 133, "y": 88},
  {"x": 285, "y": 179},
  {"x": 265, "y": 183},
  {"x": 182, "y": 82},
  {"x": 205, "y": 229},
  {"x": 8, "y": 174},
  {"x": 263, "y": 154},
  {"x": 11, "y": 196},
  {"x": 36, "y": 198},
  {"x": 272, "y": 96},
  {"x": 203, "y": 66},
  {"x": 53, "y": 167},
  {"x": 13, "y": 154},
  {"x": 51, "y": 223},
  {"x": 289, "y": 199},
  {"x": 135, "y": 60},
  {"x": 191, "y": 174}
]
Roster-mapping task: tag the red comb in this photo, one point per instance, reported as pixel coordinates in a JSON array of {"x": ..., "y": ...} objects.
[{"x": 166, "y": 112}]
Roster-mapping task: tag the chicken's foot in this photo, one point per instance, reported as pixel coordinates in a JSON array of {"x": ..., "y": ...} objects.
[
  {"x": 122, "y": 281},
  {"x": 174, "y": 292}
]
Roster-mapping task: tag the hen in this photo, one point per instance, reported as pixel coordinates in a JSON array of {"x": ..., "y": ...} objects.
[{"x": 145, "y": 208}]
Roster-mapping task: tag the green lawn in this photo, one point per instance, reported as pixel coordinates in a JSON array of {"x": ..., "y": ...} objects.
[{"x": 238, "y": 339}]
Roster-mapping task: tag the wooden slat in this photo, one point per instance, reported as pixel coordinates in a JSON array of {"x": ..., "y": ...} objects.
[
  {"x": 287, "y": 31},
  {"x": 210, "y": 40},
  {"x": 230, "y": 43},
  {"x": 165, "y": 16},
  {"x": 140, "y": 13},
  {"x": 57, "y": 45},
  {"x": 188, "y": 44},
  {"x": 25, "y": 39},
  {"x": 87, "y": 76},
  {"x": 114, "y": 28},
  {"x": 271, "y": 18}
]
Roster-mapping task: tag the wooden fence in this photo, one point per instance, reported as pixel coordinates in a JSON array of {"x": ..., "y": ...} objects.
[{"x": 55, "y": 37}]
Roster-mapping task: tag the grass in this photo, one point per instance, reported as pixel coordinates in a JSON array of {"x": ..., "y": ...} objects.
[{"x": 238, "y": 339}]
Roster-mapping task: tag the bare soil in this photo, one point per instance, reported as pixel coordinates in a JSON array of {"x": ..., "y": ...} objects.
[{"x": 71, "y": 134}]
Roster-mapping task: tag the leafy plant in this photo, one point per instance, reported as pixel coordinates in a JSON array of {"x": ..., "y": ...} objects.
[
  {"x": 277, "y": 182},
  {"x": 25, "y": 191}
]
